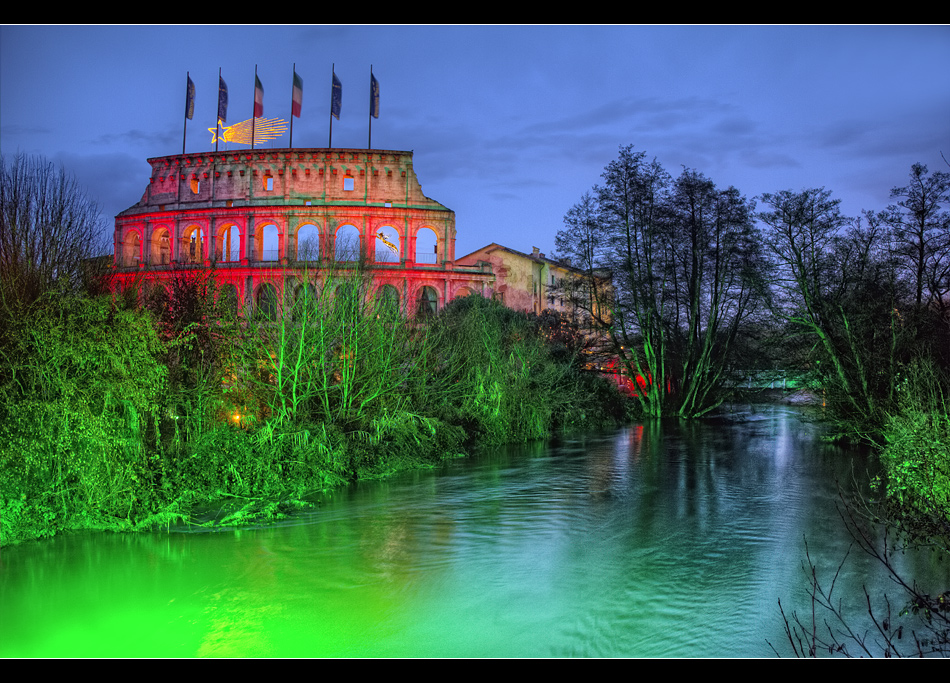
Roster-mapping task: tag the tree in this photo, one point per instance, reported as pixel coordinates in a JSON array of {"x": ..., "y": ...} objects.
[
  {"x": 836, "y": 286},
  {"x": 685, "y": 273},
  {"x": 922, "y": 234},
  {"x": 49, "y": 230}
]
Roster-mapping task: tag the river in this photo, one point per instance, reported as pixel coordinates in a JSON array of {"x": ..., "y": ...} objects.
[{"x": 661, "y": 540}]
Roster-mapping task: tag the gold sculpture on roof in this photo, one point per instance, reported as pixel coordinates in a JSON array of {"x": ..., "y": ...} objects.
[
  {"x": 264, "y": 130},
  {"x": 382, "y": 238}
]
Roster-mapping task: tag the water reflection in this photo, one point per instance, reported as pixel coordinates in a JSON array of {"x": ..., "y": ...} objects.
[{"x": 662, "y": 539}]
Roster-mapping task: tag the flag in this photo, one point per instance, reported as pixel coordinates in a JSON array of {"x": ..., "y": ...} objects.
[
  {"x": 373, "y": 96},
  {"x": 258, "y": 97},
  {"x": 336, "y": 99},
  {"x": 222, "y": 100},
  {"x": 298, "y": 96},
  {"x": 190, "y": 99}
]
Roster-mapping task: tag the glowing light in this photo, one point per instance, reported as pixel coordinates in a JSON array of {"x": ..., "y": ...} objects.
[
  {"x": 264, "y": 130},
  {"x": 382, "y": 238}
]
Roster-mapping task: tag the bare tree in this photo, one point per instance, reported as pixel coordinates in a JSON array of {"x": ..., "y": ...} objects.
[
  {"x": 835, "y": 285},
  {"x": 49, "y": 230},
  {"x": 686, "y": 278},
  {"x": 921, "y": 226}
]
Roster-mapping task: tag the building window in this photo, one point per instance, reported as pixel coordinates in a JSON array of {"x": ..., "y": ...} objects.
[
  {"x": 349, "y": 184},
  {"x": 269, "y": 183},
  {"x": 428, "y": 302},
  {"x": 388, "y": 302},
  {"x": 267, "y": 306}
]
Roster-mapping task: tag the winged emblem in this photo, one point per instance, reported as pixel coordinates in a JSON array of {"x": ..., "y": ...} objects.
[
  {"x": 264, "y": 130},
  {"x": 382, "y": 238}
]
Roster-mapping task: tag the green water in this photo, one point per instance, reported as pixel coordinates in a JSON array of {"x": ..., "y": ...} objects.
[{"x": 666, "y": 540}]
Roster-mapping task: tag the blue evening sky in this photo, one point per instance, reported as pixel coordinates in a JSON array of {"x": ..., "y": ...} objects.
[{"x": 510, "y": 124}]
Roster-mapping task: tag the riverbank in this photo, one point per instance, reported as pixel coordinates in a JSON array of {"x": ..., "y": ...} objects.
[{"x": 114, "y": 418}]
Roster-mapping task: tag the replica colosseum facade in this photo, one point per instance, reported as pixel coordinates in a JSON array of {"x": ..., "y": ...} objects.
[{"x": 266, "y": 220}]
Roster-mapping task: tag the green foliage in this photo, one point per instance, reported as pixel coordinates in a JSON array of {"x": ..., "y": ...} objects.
[
  {"x": 81, "y": 386},
  {"x": 115, "y": 417},
  {"x": 493, "y": 370},
  {"x": 916, "y": 458}
]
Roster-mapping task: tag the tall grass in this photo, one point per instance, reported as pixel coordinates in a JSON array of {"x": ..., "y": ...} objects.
[
  {"x": 113, "y": 416},
  {"x": 916, "y": 457}
]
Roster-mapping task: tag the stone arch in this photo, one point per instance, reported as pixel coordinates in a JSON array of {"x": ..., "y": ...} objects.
[
  {"x": 227, "y": 243},
  {"x": 132, "y": 248},
  {"x": 267, "y": 241},
  {"x": 426, "y": 301},
  {"x": 228, "y": 298},
  {"x": 267, "y": 301},
  {"x": 347, "y": 245},
  {"x": 387, "y": 301},
  {"x": 463, "y": 292},
  {"x": 348, "y": 297},
  {"x": 193, "y": 244},
  {"x": 427, "y": 246},
  {"x": 161, "y": 246},
  {"x": 388, "y": 246},
  {"x": 308, "y": 242},
  {"x": 306, "y": 299}
]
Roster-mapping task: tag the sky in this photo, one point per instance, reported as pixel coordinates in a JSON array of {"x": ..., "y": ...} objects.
[{"x": 509, "y": 125}]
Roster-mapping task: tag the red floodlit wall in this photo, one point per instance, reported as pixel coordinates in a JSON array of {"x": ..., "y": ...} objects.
[{"x": 273, "y": 218}]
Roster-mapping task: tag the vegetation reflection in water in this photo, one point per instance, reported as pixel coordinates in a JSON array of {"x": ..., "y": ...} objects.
[{"x": 662, "y": 540}]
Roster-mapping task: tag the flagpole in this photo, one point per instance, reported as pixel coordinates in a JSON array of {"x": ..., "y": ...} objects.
[
  {"x": 222, "y": 109},
  {"x": 254, "y": 107},
  {"x": 293, "y": 82},
  {"x": 369, "y": 141},
  {"x": 217, "y": 125},
  {"x": 332, "y": 84},
  {"x": 189, "y": 108}
]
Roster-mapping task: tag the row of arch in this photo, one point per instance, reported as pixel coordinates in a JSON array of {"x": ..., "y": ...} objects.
[
  {"x": 268, "y": 302},
  {"x": 307, "y": 243}
]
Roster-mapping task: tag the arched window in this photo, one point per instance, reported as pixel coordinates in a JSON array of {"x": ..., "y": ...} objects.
[
  {"x": 348, "y": 297},
  {"x": 387, "y": 302},
  {"x": 427, "y": 246},
  {"x": 193, "y": 239},
  {"x": 161, "y": 247},
  {"x": 268, "y": 242},
  {"x": 308, "y": 243},
  {"x": 306, "y": 300},
  {"x": 132, "y": 250},
  {"x": 428, "y": 302},
  {"x": 228, "y": 299},
  {"x": 267, "y": 303},
  {"x": 387, "y": 245},
  {"x": 347, "y": 244},
  {"x": 228, "y": 244}
]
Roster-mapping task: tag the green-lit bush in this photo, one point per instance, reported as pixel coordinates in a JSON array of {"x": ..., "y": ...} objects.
[
  {"x": 115, "y": 417},
  {"x": 917, "y": 455},
  {"x": 79, "y": 396},
  {"x": 493, "y": 370}
]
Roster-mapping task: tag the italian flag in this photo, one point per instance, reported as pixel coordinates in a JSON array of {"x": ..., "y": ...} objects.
[
  {"x": 258, "y": 97},
  {"x": 298, "y": 96}
]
